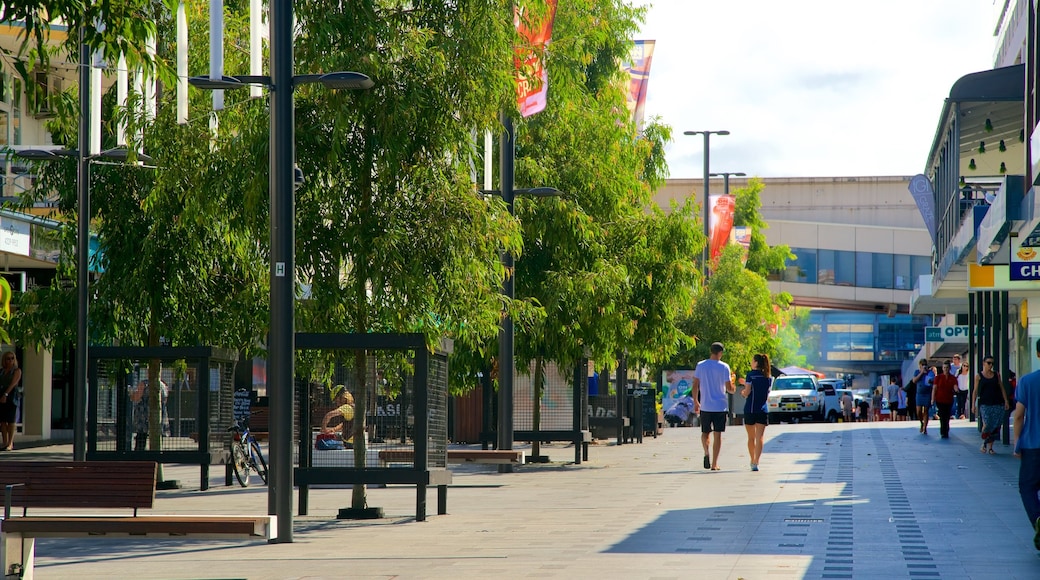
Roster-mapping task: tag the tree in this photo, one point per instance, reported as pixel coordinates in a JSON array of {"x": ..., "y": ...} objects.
[
  {"x": 178, "y": 255},
  {"x": 392, "y": 235},
  {"x": 762, "y": 258}
]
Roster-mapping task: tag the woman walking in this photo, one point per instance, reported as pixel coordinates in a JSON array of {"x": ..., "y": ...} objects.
[
  {"x": 756, "y": 391},
  {"x": 924, "y": 379},
  {"x": 10, "y": 376},
  {"x": 993, "y": 404}
]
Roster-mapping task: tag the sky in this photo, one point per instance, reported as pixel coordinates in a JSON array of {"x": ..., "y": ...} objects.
[{"x": 810, "y": 88}]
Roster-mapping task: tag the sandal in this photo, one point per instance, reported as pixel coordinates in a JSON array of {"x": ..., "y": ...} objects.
[
  {"x": 991, "y": 452},
  {"x": 982, "y": 449}
]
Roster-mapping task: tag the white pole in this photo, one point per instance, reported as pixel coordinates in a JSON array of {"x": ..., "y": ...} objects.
[
  {"x": 182, "y": 65},
  {"x": 216, "y": 49}
]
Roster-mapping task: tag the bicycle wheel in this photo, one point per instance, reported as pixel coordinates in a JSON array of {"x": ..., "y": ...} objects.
[
  {"x": 240, "y": 462},
  {"x": 259, "y": 463}
]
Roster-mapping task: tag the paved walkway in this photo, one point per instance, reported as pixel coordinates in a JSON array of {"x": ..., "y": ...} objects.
[{"x": 866, "y": 500}]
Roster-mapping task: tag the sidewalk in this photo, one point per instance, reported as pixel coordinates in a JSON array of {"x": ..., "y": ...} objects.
[{"x": 857, "y": 500}]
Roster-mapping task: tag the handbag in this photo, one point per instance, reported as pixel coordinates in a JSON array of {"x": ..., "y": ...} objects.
[{"x": 327, "y": 442}]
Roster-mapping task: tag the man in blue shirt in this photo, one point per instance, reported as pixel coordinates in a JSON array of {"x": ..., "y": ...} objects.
[
  {"x": 1027, "y": 445},
  {"x": 711, "y": 382}
]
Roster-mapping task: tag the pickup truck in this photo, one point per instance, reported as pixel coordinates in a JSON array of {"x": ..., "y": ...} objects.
[{"x": 796, "y": 397}]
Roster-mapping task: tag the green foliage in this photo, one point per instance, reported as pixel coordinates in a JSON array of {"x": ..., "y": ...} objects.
[
  {"x": 736, "y": 309},
  {"x": 762, "y": 258}
]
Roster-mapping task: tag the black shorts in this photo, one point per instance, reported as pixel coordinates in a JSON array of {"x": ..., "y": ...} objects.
[
  {"x": 893, "y": 407},
  {"x": 713, "y": 421},
  {"x": 760, "y": 418}
]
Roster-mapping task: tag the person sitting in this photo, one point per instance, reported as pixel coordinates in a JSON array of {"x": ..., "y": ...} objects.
[{"x": 344, "y": 408}]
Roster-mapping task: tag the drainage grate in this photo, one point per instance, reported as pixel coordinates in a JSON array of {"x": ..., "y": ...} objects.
[{"x": 804, "y": 520}]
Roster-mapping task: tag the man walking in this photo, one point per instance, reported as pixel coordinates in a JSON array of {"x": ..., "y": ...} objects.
[
  {"x": 943, "y": 396},
  {"x": 1027, "y": 445},
  {"x": 892, "y": 394},
  {"x": 711, "y": 382}
]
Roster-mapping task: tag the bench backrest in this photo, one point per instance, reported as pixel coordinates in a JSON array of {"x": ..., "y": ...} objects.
[{"x": 80, "y": 484}]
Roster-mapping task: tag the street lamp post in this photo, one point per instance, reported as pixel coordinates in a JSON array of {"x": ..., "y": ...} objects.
[
  {"x": 725, "y": 178},
  {"x": 281, "y": 341},
  {"x": 707, "y": 231}
]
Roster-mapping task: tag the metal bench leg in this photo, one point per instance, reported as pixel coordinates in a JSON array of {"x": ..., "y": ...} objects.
[
  {"x": 420, "y": 502},
  {"x": 442, "y": 500}
]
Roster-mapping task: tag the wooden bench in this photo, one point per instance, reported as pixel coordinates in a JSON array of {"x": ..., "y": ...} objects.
[
  {"x": 97, "y": 486},
  {"x": 458, "y": 456}
]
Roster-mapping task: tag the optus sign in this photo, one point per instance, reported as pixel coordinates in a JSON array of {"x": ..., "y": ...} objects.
[{"x": 953, "y": 334}]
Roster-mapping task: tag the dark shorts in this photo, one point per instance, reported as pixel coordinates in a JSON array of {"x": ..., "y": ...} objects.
[
  {"x": 902, "y": 412},
  {"x": 756, "y": 418},
  {"x": 893, "y": 407},
  {"x": 713, "y": 421}
]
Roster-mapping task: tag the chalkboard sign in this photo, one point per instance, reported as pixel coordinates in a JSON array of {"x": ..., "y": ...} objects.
[{"x": 241, "y": 405}]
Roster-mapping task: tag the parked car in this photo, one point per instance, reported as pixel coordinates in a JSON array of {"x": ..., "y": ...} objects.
[{"x": 796, "y": 397}]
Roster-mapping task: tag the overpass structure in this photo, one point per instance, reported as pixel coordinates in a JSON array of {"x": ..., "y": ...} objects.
[{"x": 861, "y": 246}]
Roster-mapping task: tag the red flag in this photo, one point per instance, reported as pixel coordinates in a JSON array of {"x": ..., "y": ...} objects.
[{"x": 532, "y": 79}]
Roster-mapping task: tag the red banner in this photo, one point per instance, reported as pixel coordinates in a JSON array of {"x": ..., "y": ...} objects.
[
  {"x": 721, "y": 223},
  {"x": 532, "y": 79}
]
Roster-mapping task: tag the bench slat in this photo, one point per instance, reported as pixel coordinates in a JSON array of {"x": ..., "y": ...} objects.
[
  {"x": 91, "y": 484},
  {"x": 197, "y": 526},
  {"x": 458, "y": 456}
]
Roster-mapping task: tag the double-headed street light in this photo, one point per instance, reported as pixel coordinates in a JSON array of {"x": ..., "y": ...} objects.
[
  {"x": 506, "y": 351},
  {"x": 707, "y": 201},
  {"x": 281, "y": 341},
  {"x": 725, "y": 178}
]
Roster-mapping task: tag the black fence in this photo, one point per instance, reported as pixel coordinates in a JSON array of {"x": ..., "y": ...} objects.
[
  {"x": 402, "y": 389},
  {"x": 163, "y": 404},
  {"x": 550, "y": 407}
]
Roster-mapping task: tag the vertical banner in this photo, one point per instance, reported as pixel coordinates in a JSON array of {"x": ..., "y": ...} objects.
[
  {"x": 921, "y": 190},
  {"x": 720, "y": 223},
  {"x": 742, "y": 236},
  {"x": 532, "y": 78},
  {"x": 638, "y": 69}
]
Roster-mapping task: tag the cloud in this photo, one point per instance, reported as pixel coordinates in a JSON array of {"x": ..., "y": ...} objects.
[{"x": 810, "y": 87}]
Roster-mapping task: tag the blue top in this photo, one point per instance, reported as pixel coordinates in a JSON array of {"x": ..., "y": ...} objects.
[
  {"x": 924, "y": 385},
  {"x": 760, "y": 383},
  {"x": 1028, "y": 395},
  {"x": 713, "y": 376}
]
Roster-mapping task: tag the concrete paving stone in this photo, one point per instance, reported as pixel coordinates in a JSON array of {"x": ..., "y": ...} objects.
[{"x": 631, "y": 511}]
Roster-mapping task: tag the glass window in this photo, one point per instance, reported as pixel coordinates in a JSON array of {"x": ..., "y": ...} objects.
[
  {"x": 919, "y": 266},
  {"x": 803, "y": 268},
  {"x": 901, "y": 269},
  {"x": 864, "y": 269},
  {"x": 825, "y": 266},
  {"x": 883, "y": 271},
  {"x": 845, "y": 268}
]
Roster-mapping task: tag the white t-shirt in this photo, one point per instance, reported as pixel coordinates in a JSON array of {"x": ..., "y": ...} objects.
[
  {"x": 962, "y": 382},
  {"x": 713, "y": 376}
]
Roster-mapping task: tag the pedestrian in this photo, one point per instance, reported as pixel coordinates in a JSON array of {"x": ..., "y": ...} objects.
[
  {"x": 875, "y": 404},
  {"x": 1027, "y": 445},
  {"x": 924, "y": 379},
  {"x": 864, "y": 410},
  {"x": 10, "y": 388},
  {"x": 892, "y": 394},
  {"x": 343, "y": 409},
  {"x": 711, "y": 384},
  {"x": 943, "y": 396},
  {"x": 756, "y": 391},
  {"x": 992, "y": 402},
  {"x": 963, "y": 385},
  {"x": 902, "y": 407},
  {"x": 846, "y": 405},
  {"x": 911, "y": 398}
]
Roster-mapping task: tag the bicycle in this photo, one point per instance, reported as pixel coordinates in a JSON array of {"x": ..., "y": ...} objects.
[{"x": 246, "y": 455}]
